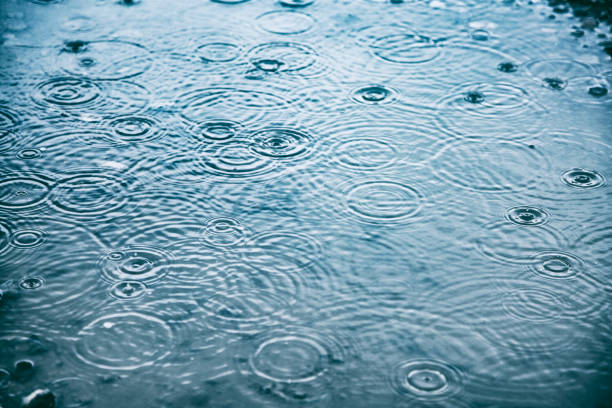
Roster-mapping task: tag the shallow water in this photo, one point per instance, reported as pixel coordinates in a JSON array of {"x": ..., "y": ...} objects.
[{"x": 304, "y": 203}]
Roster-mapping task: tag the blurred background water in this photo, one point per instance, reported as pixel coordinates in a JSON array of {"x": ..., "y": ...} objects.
[{"x": 352, "y": 203}]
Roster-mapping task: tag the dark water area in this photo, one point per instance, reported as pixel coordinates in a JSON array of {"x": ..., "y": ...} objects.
[{"x": 305, "y": 203}]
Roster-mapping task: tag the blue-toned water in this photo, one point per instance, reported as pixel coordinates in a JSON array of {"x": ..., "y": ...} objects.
[{"x": 311, "y": 203}]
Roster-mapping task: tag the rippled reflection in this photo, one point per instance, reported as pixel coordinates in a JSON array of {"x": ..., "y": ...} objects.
[{"x": 369, "y": 203}]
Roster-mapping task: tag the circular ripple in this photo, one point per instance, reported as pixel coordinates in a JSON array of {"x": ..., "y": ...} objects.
[
  {"x": 476, "y": 109},
  {"x": 244, "y": 312},
  {"x": 124, "y": 341},
  {"x": 527, "y": 215},
  {"x": 426, "y": 379},
  {"x": 216, "y": 130},
  {"x": 590, "y": 90},
  {"x": 234, "y": 159},
  {"x": 135, "y": 263},
  {"x": 23, "y": 191},
  {"x": 282, "y": 56},
  {"x": 285, "y": 22},
  {"x": 405, "y": 48},
  {"x": 489, "y": 166},
  {"x": 32, "y": 282},
  {"x": 218, "y": 52},
  {"x": 8, "y": 118},
  {"x": 296, "y": 248},
  {"x": 223, "y": 232},
  {"x": 76, "y": 24},
  {"x": 296, "y": 3},
  {"x": 89, "y": 193},
  {"x": 383, "y": 201},
  {"x": 558, "y": 70},
  {"x": 127, "y": 290},
  {"x": 238, "y": 104},
  {"x": 29, "y": 154},
  {"x": 106, "y": 60},
  {"x": 365, "y": 154},
  {"x": 374, "y": 95},
  {"x": 300, "y": 363},
  {"x": 27, "y": 238},
  {"x": 281, "y": 143},
  {"x": 583, "y": 178},
  {"x": 66, "y": 91},
  {"x": 132, "y": 129},
  {"x": 510, "y": 243},
  {"x": 556, "y": 265}
]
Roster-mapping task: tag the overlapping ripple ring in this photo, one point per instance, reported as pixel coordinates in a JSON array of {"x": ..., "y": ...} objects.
[
  {"x": 488, "y": 166},
  {"x": 124, "y": 341},
  {"x": 383, "y": 201},
  {"x": 90, "y": 193},
  {"x": 138, "y": 263},
  {"x": 281, "y": 143},
  {"x": 24, "y": 190},
  {"x": 107, "y": 60},
  {"x": 293, "y": 363}
]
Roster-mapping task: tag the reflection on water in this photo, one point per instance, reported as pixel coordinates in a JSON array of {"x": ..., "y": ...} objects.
[{"x": 343, "y": 203}]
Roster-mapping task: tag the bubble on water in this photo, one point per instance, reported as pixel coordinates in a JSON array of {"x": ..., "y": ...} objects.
[
  {"x": 583, "y": 178},
  {"x": 28, "y": 238},
  {"x": 223, "y": 232},
  {"x": 31, "y": 283},
  {"x": 285, "y": 22},
  {"x": 527, "y": 215},
  {"x": 128, "y": 290},
  {"x": 556, "y": 265},
  {"x": 426, "y": 379},
  {"x": 374, "y": 95},
  {"x": 105, "y": 59},
  {"x": 137, "y": 263},
  {"x": 281, "y": 143},
  {"x": 133, "y": 128},
  {"x": 124, "y": 341},
  {"x": 383, "y": 201},
  {"x": 218, "y": 52},
  {"x": 474, "y": 97},
  {"x": 90, "y": 193},
  {"x": 480, "y": 35},
  {"x": 19, "y": 191}
]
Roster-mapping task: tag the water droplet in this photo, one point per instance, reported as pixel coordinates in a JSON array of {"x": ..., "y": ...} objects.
[
  {"x": 598, "y": 91},
  {"x": 426, "y": 379},
  {"x": 507, "y": 67},
  {"x": 583, "y": 178},
  {"x": 135, "y": 263},
  {"x": 75, "y": 46},
  {"x": 526, "y": 215},
  {"x": 556, "y": 84},
  {"x": 474, "y": 97},
  {"x": 124, "y": 290},
  {"x": 33, "y": 282},
  {"x": 281, "y": 143}
]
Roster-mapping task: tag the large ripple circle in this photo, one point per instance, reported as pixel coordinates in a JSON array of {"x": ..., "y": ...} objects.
[{"x": 124, "y": 341}]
